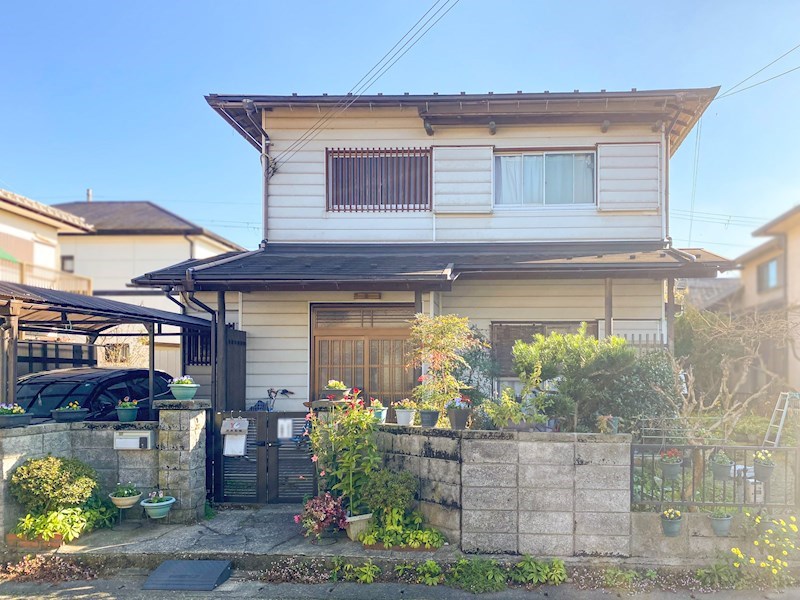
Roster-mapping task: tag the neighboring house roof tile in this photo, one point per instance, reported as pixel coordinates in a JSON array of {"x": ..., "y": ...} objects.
[
  {"x": 43, "y": 210},
  {"x": 138, "y": 217},
  {"x": 708, "y": 294},
  {"x": 290, "y": 265}
]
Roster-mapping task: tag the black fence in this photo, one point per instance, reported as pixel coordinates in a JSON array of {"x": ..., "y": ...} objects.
[
  {"x": 697, "y": 481},
  {"x": 36, "y": 356}
]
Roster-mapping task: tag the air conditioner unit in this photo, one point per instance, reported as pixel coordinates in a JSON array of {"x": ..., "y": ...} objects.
[{"x": 136, "y": 439}]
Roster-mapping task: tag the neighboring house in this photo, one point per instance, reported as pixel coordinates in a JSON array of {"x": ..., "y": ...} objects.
[
  {"x": 770, "y": 278},
  {"x": 722, "y": 294},
  {"x": 524, "y": 212},
  {"x": 127, "y": 239},
  {"x": 29, "y": 248}
]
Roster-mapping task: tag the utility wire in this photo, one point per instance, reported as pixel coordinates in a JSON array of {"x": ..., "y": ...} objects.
[
  {"x": 324, "y": 118},
  {"x": 383, "y": 70},
  {"x": 729, "y": 91},
  {"x": 694, "y": 175},
  {"x": 749, "y": 87}
]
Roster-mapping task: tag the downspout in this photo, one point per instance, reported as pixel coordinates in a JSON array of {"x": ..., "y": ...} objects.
[
  {"x": 191, "y": 245},
  {"x": 265, "y": 168}
]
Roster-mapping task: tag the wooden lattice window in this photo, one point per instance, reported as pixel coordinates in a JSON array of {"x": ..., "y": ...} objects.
[{"x": 378, "y": 180}]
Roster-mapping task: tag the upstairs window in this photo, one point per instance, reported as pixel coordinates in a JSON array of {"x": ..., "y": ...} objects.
[
  {"x": 378, "y": 180},
  {"x": 544, "y": 179},
  {"x": 768, "y": 276}
]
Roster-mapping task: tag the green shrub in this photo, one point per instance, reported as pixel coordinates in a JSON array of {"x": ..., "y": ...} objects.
[
  {"x": 386, "y": 490},
  {"x": 44, "y": 485},
  {"x": 429, "y": 573},
  {"x": 477, "y": 575},
  {"x": 530, "y": 570},
  {"x": 68, "y": 522}
]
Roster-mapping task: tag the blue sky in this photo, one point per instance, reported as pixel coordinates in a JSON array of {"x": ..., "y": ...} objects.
[{"x": 109, "y": 95}]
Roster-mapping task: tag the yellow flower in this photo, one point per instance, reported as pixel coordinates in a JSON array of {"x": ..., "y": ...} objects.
[
  {"x": 785, "y": 564},
  {"x": 782, "y": 522},
  {"x": 752, "y": 560},
  {"x": 758, "y": 520},
  {"x": 736, "y": 564},
  {"x": 770, "y": 557},
  {"x": 793, "y": 527},
  {"x": 747, "y": 514},
  {"x": 783, "y": 529},
  {"x": 769, "y": 531},
  {"x": 774, "y": 571},
  {"x": 763, "y": 564},
  {"x": 755, "y": 542},
  {"x": 785, "y": 553},
  {"x": 793, "y": 519}
]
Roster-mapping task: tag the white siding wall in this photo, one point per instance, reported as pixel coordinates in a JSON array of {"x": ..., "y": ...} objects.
[
  {"x": 278, "y": 323},
  {"x": 628, "y": 177},
  {"x": 462, "y": 179},
  {"x": 297, "y": 191}
]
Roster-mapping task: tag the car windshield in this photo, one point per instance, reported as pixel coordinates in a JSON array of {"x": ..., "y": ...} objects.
[{"x": 39, "y": 399}]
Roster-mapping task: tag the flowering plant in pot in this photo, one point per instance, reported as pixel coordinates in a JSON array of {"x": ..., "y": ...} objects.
[
  {"x": 70, "y": 413},
  {"x": 721, "y": 465},
  {"x": 458, "y": 412},
  {"x": 127, "y": 410},
  {"x": 13, "y": 415},
  {"x": 335, "y": 390},
  {"x": 183, "y": 388},
  {"x": 721, "y": 519},
  {"x": 671, "y": 462},
  {"x": 378, "y": 409},
  {"x": 125, "y": 495},
  {"x": 157, "y": 504},
  {"x": 405, "y": 411},
  {"x": 763, "y": 464},
  {"x": 322, "y": 514},
  {"x": 671, "y": 520}
]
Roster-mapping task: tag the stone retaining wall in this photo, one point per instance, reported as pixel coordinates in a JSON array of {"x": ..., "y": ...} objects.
[{"x": 176, "y": 464}]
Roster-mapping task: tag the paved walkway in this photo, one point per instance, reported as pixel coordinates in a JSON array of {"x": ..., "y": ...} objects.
[{"x": 236, "y": 535}]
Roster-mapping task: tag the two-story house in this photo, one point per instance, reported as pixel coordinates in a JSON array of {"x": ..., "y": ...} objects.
[
  {"x": 524, "y": 212},
  {"x": 769, "y": 281},
  {"x": 128, "y": 238}
]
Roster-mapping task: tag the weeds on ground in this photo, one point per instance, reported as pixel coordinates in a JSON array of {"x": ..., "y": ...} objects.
[{"x": 46, "y": 568}]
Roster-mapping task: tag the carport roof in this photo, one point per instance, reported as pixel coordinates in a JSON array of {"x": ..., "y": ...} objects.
[{"x": 53, "y": 310}]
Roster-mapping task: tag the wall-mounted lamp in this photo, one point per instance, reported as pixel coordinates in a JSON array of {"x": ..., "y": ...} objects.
[{"x": 492, "y": 127}]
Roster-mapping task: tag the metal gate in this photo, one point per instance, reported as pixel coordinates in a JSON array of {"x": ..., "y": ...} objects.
[{"x": 272, "y": 469}]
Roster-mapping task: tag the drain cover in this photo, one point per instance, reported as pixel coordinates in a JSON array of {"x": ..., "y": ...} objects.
[{"x": 196, "y": 575}]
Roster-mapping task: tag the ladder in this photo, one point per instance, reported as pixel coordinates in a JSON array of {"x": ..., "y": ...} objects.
[{"x": 786, "y": 402}]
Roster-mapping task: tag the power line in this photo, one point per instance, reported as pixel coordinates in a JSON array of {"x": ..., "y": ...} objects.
[
  {"x": 416, "y": 37},
  {"x": 694, "y": 175},
  {"x": 744, "y": 89},
  {"x": 324, "y": 118},
  {"x": 729, "y": 91}
]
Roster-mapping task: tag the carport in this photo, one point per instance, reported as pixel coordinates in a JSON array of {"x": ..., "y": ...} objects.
[{"x": 34, "y": 309}]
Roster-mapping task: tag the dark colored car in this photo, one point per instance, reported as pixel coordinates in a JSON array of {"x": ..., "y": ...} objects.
[{"x": 99, "y": 390}]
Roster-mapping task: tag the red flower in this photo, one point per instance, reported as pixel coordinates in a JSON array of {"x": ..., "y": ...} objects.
[
  {"x": 309, "y": 416},
  {"x": 356, "y": 390},
  {"x": 331, "y": 396},
  {"x": 314, "y": 458},
  {"x": 421, "y": 378}
]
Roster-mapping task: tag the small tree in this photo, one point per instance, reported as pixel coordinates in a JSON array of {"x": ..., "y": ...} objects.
[{"x": 438, "y": 344}]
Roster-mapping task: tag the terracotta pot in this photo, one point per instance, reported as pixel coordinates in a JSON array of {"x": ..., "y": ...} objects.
[{"x": 15, "y": 541}]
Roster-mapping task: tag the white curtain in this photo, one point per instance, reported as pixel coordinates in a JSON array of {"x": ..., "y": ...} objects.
[{"x": 508, "y": 180}]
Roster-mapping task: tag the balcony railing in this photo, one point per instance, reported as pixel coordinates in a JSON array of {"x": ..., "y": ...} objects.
[{"x": 38, "y": 276}]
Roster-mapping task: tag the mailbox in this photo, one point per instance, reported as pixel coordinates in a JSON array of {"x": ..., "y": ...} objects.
[
  {"x": 234, "y": 434},
  {"x": 136, "y": 439}
]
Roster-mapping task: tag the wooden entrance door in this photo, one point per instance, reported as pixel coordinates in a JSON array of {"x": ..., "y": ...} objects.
[{"x": 365, "y": 347}]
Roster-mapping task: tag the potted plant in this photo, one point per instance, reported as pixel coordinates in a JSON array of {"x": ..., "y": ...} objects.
[
  {"x": 71, "y": 413},
  {"x": 125, "y": 495},
  {"x": 607, "y": 424},
  {"x": 428, "y": 414},
  {"x": 322, "y": 516},
  {"x": 405, "y": 411},
  {"x": 764, "y": 464},
  {"x": 458, "y": 412},
  {"x": 183, "y": 388},
  {"x": 127, "y": 410},
  {"x": 721, "y": 520},
  {"x": 721, "y": 465},
  {"x": 671, "y": 520},
  {"x": 505, "y": 412},
  {"x": 335, "y": 390},
  {"x": 671, "y": 463},
  {"x": 378, "y": 410},
  {"x": 157, "y": 505},
  {"x": 13, "y": 415}
]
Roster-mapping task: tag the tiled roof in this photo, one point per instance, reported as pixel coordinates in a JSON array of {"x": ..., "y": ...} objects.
[
  {"x": 44, "y": 210},
  {"x": 291, "y": 265},
  {"x": 707, "y": 294},
  {"x": 137, "y": 218}
]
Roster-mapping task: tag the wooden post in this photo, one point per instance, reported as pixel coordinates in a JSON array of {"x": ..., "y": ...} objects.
[
  {"x": 609, "y": 306},
  {"x": 417, "y": 301}
]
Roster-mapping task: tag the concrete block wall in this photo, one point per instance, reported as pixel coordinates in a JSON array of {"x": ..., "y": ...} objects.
[
  {"x": 695, "y": 542},
  {"x": 546, "y": 494},
  {"x": 434, "y": 456}
]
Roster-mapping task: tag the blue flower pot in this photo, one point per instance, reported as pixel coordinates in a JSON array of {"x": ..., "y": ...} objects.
[
  {"x": 379, "y": 414},
  {"x": 158, "y": 510},
  {"x": 126, "y": 415},
  {"x": 183, "y": 391},
  {"x": 671, "y": 527}
]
